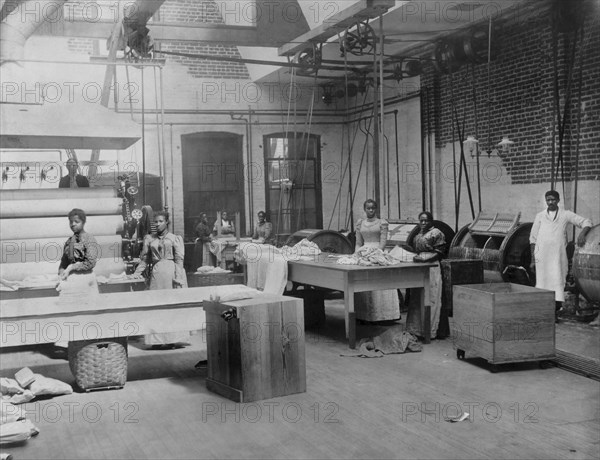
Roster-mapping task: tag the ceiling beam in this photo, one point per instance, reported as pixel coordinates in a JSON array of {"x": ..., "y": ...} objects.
[
  {"x": 221, "y": 33},
  {"x": 359, "y": 11}
]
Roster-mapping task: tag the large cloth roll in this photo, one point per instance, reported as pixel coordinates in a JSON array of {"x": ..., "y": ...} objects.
[
  {"x": 52, "y": 227},
  {"x": 60, "y": 208},
  {"x": 51, "y": 249},
  {"x": 99, "y": 193},
  {"x": 19, "y": 272}
]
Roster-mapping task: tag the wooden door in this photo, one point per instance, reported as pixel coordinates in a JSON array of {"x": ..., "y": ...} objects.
[{"x": 213, "y": 177}]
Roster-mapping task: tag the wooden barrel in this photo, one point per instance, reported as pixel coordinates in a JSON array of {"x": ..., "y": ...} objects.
[
  {"x": 505, "y": 258},
  {"x": 586, "y": 266},
  {"x": 326, "y": 240}
]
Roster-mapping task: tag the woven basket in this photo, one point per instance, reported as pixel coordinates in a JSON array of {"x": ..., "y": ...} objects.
[{"x": 99, "y": 364}]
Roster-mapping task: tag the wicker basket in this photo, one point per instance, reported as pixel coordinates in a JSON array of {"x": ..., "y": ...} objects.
[{"x": 99, "y": 364}]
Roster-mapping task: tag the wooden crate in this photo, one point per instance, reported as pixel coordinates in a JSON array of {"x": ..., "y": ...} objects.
[
  {"x": 259, "y": 353},
  {"x": 454, "y": 272},
  {"x": 503, "y": 322}
]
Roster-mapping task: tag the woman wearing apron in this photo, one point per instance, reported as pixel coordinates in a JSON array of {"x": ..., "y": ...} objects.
[
  {"x": 80, "y": 253},
  {"x": 163, "y": 255},
  {"x": 77, "y": 282},
  {"x": 374, "y": 305}
]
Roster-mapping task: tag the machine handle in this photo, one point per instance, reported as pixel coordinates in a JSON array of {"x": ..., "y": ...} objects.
[{"x": 230, "y": 314}]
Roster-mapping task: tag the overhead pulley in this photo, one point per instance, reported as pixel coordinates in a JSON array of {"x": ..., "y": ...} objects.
[
  {"x": 358, "y": 39},
  {"x": 309, "y": 59}
]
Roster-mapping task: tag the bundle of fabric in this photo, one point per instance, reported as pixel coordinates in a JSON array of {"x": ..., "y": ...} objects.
[
  {"x": 208, "y": 270},
  {"x": 369, "y": 256},
  {"x": 302, "y": 249}
]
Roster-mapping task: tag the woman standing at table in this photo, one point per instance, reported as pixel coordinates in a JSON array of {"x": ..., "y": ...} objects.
[
  {"x": 80, "y": 253},
  {"x": 77, "y": 282},
  {"x": 263, "y": 230},
  {"x": 163, "y": 255},
  {"x": 374, "y": 305},
  {"x": 203, "y": 237},
  {"x": 430, "y": 246}
]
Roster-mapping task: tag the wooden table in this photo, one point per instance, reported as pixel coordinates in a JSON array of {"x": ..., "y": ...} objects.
[
  {"x": 49, "y": 289},
  {"x": 122, "y": 314},
  {"x": 324, "y": 271}
]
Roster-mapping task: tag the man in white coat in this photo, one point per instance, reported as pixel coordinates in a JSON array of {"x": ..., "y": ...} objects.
[{"x": 548, "y": 240}]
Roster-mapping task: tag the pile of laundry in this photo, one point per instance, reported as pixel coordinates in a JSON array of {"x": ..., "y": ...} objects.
[
  {"x": 302, "y": 250},
  {"x": 208, "y": 270},
  {"x": 111, "y": 277},
  {"x": 368, "y": 256},
  {"x": 26, "y": 386}
]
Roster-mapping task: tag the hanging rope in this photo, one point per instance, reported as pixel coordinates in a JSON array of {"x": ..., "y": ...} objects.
[
  {"x": 158, "y": 133},
  {"x": 476, "y": 120},
  {"x": 347, "y": 168},
  {"x": 306, "y": 137}
]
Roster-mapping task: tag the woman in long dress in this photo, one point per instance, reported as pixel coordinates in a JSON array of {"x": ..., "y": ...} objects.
[
  {"x": 430, "y": 246},
  {"x": 375, "y": 305},
  {"x": 163, "y": 255},
  {"x": 77, "y": 282},
  {"x": 80, "y": 254}
]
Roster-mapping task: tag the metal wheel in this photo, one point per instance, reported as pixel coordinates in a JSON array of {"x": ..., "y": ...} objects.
[
  {"x": 358, "y": 41},
  {"x": 310, "y": 60}
]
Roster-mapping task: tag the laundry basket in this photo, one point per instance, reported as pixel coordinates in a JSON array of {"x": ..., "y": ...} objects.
[{"x": 99, "y": 364}]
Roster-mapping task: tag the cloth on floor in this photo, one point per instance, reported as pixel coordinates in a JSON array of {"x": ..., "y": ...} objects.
[{"x": 394, "y": 340}]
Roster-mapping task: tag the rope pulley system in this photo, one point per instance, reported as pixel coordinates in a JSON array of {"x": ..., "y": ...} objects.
[
  {"x": 309, "y": 60},
  {"x": 359, "y": 39}
]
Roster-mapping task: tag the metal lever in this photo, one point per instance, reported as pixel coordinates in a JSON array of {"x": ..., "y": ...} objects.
[{"x": 230, "y": 314}]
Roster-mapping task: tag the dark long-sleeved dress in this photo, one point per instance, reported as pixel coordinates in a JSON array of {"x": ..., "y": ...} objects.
[
  {"x": 263, "y": 232},
  {"x": 201, "y": 251},
  {"x": 432, "y": 241},
  {"x": 82, "y": 252}
]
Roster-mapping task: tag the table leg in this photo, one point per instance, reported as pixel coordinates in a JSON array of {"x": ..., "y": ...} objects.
[{"x": 350, "y": 317}]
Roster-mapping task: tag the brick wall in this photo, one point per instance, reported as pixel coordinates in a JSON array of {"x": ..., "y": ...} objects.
[
  {"x": 522, "y": 102},
  {"x": 206, "y": 68},
  {"x": 204, "y": 11}
]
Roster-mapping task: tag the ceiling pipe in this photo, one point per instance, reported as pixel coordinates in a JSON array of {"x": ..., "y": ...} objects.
[{"x": 18, "y": 24}]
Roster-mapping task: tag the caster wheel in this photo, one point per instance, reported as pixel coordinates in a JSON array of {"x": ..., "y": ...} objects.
[
  {"x": 460, "y": 354},
  {"x": 494, "y": 368},
  {"x": 546, "y": 364}
]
